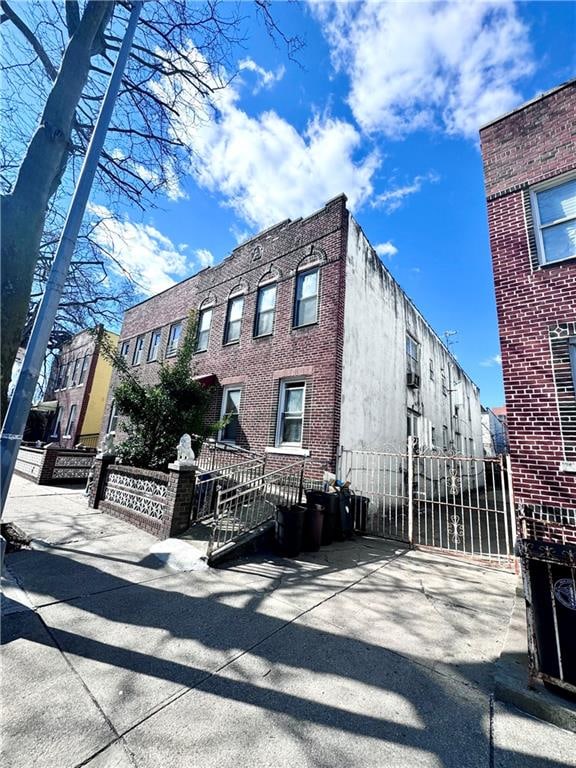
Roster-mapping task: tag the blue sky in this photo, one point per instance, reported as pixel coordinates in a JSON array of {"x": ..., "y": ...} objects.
[{"x": 384, "y": 106}]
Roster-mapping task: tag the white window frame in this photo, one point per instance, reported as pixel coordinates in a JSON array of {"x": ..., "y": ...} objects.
[
  {"x": 201, "y": 314},
  {"x": 284, "y": 385},
  {"x": 171, "y": 347},
  {"x": 112, "y": 418},
  {"x": 138, "y": 349},
  {"x": 258, "y": 313},
  {"x": 538, "y": 226},
  {"x": 154, "y": 346},
  {"x": 231, "y": 300},
  {"x": 572, "y": 354},
  {"x": 300, "y": 275},
  {"x": 70, "y": 422},
  {"x": 225, "y": 391},
  {"x": 125, "y": 349}
]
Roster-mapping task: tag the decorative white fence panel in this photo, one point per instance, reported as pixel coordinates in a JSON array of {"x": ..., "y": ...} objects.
[{"x": 461, "y": 505}]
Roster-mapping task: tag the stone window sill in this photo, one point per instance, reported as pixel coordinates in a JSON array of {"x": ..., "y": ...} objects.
[{"x": 288, "y": 451}]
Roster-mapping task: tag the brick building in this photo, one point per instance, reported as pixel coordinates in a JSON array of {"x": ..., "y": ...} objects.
[
  {"x": 311, "y": 344},
  {"x": 530, "y": 176},
  {"x": 79, "y": 383}
]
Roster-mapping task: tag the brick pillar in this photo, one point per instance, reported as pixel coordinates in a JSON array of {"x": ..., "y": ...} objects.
[
  {"x": 101, "y": 463},
  {"x": 179, "y": 498},
  {"x": 47, "y": 467}
]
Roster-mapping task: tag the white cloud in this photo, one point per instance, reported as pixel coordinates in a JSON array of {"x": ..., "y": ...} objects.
[
  {"x": 204, "y": 257},
  {"x": 392, "y": 199},
  {"x": 386, "y": 249},
  {"x": 491, "y": 361},
  {"x": 266, "y": 77},
  {"x": 263, "y": 167},
  {"x": 140, "y": 251},
  {"x": 450, "y": 65}
]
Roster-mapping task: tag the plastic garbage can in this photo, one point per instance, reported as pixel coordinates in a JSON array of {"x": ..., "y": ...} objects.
[
  {"x": 289, "y": 528},
  {"x": 313, "y": 520},
  {"x": 359, "y": 505}
]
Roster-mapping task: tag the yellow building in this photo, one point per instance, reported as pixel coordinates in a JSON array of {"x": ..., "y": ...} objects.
[{"x": 79, "y": 385}]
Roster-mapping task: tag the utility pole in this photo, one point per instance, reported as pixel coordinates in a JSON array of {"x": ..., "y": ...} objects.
[{"x": 21, "y": 400}]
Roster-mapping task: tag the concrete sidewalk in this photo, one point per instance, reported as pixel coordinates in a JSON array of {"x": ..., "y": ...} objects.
[{"x": 364, "y": 654}]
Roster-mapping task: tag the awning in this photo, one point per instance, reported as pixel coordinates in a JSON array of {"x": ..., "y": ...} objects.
[{"x": 207, "y": 380}]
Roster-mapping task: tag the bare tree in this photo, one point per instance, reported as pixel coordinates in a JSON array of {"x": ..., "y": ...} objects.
[{"x": 59, "y": 55}]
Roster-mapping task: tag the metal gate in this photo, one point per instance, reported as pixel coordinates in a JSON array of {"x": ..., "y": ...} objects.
[{"x": 462, "y": 505}]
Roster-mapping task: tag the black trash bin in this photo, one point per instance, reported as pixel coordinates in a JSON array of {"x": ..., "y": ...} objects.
[
  {"x": 331, "y": 504},
  {"x": 344, "y": 528},
  {"x": 550, "y": 577},
  {"x": 312, "y": 534},
  {"x": 359, "y": 505},
  {"x": 289, "y": 528}
]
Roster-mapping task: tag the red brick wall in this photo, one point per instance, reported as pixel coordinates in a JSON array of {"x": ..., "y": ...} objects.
[
  {"x": 532, "y": 145},
  {"x": 259, "y": 363}
]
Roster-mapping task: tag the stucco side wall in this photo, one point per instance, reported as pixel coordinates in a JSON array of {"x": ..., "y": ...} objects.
[{"x": 375, "y": 397}]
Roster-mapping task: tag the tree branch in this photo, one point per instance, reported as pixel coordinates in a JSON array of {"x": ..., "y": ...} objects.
[{"x": 32, "y": 39}]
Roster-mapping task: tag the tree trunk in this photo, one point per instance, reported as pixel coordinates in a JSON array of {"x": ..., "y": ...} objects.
[{"x": 23, "y": 211}]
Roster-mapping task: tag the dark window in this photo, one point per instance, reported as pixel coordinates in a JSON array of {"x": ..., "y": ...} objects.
[
  {"x": 71, "y": 423},
  {"x": 112, "y": 418},
  {"x": 265, "y": 310},
  {"x": 125, "y": 348},
  {"x": 445, "y": 437},
  {"x": 204, "y": 323},
  {"x": 412, "y": 356},
  {"x": 154, "y": 345},
  {"x": 230, "y": 410},
  {"x": 233, "y": 319},
  {"x": 173, "y": 339},
  {"x": 412, "y": 424},
  {"x": 306, "y": 301},
  {"x": 138, "y": 347},
  {"x": 75, "y": 372},
  {"x": 84, "y": 369}
]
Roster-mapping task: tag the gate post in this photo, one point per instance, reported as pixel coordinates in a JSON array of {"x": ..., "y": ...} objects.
[
  {"x": 511, "y": 501},
  {"x": 411, "y": 491}
]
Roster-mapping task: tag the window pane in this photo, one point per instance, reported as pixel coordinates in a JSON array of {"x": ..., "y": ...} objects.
[
  {"x": 293, "y": 403},
  {"x": 558, "y": 202},
  {"x": 308, "y": 285},
  {"x": 205, "y": 320},
  {"x": 265, "y": 324},
  {"x": 231, "y": 407},
  {"x": 236, "y": 308},
  {"x": 232, "y": 401},
  {"x": 233, "y": 331},
  {"x": 306, "y": 311},
  {"x": 292, "y": 431},
  {"x": 267, "y": 298},
  {"x": 560, "y": 241}
]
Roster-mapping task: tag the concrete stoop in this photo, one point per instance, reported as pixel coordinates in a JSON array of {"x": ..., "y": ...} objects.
[{"x": 511, "y": 677}]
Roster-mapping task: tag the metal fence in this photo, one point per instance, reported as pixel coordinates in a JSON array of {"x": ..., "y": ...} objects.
[
  {"x": 547, "y": 550},
  {"x": 215, "y": 454},
  {"x": 461, "y": 505},
  {"x": 208, "y": 483},
  {"x": 243, "y": 508}
]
